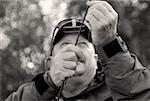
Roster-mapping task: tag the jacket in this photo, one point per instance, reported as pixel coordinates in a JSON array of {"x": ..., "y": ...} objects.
[{"x": 126, "y": 79}]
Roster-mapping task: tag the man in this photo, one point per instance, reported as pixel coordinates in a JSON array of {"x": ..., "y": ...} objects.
[{"x": 75, "y": 70}]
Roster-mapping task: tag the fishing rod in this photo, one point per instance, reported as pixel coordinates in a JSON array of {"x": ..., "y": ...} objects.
[{"x": 79, "y": 33}]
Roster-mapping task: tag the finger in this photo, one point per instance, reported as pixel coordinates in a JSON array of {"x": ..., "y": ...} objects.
[
  {"x": 100, "y": 16},
  {"x": 70, "y": 56},
  {"x": 91, "y": 3},
  {"x": 71, "y": 65},
  {"x": 68, "y": 73},
  {"x": 110, "y": 8},
  {"x": 79, "y": 69},
  {"x": 102, "y": 9},
  {"x": 93, "y": 21},
  {"x": 74, "y": 49}
]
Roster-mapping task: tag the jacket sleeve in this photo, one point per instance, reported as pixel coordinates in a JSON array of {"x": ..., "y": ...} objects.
[
  {"x": 36, "y": 90},
  {"x": 127, "y": 78}
]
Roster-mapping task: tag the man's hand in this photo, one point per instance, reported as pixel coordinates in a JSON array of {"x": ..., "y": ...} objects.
[
  {"x": 66, "y": 64},
  {"x": 103, "y": 20}
]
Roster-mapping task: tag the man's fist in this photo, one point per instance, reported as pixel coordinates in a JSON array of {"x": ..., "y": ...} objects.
[
  {"x": 103, "y": 20},
  {"x": 66, "y": 64}
]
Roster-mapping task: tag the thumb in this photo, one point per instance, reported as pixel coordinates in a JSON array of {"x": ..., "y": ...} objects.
[{"x": 80, "y": 69}]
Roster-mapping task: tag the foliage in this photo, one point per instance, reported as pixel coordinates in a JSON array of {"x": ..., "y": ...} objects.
[
  {"x": 25, "y": 26},
  {"x": 133, "y": 23}
]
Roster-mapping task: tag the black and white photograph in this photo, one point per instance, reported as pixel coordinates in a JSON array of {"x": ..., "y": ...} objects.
[{"x": 74, "y": 50}]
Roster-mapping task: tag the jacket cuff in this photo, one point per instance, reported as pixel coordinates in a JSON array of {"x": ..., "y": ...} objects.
[
  {"x": 110, "y": 48},
  {"x": 49, "y": 81},
  {"x": 45, "y": 89}
]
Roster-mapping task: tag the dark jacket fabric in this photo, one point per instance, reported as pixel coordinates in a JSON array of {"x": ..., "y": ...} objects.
[{"x": 125, "y": 80}]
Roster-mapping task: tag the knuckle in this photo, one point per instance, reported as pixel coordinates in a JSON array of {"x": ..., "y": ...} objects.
[
  {"x": 79, "y": 72},
  {"x": 97, "y": 7},
  {"x": 62, "y": 78},
  {"x": 69, "y": 74},
  {"x": 74, "y": 64},
  {"x": 58, "y": 56},
  {"x": 116, "y": 14},
  {"x": 72, "y": 73},
  {"x": 104, "y": 2},
  {"x": 115, "y": 17},
  {"x": 68, "y": 46},
  {"x": 90, "y": 11},
  {"x": 90, "y": 8}
]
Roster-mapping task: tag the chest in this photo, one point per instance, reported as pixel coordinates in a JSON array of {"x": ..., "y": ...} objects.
[{"x": 101, "y": 93}]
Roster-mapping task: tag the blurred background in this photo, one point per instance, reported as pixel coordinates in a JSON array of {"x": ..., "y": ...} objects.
[{"x": 26, "y": 27}]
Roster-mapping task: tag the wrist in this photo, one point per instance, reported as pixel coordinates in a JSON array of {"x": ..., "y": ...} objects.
[
  {"x": 56, "y": 81},
  {"x": 110, "y": 47},
  {"x": 103, "y": 37},
  {"x": 49, "y": 80},
  {"x": 40, "y": 83}
]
